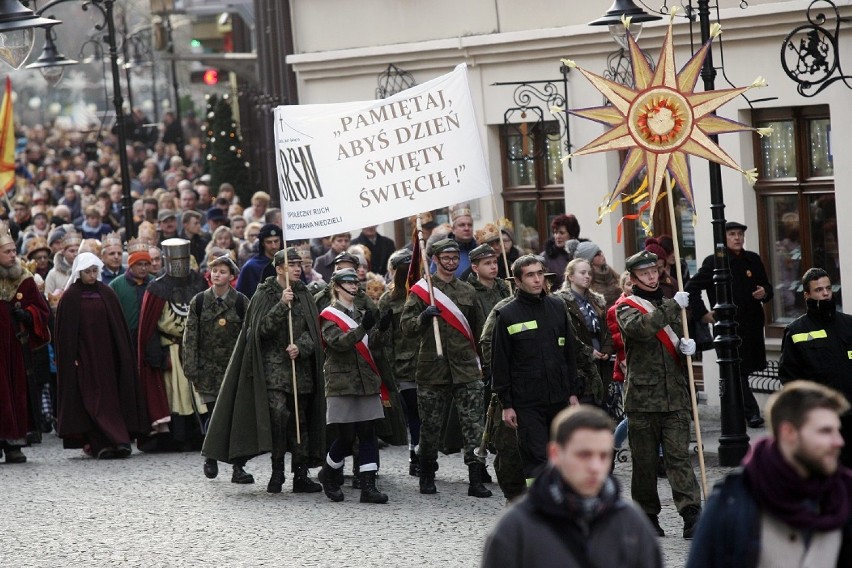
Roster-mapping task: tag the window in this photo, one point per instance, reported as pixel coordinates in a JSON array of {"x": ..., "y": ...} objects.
[
  {"x": 795, "y": 193},
  {"x": 533, "y": 187}
]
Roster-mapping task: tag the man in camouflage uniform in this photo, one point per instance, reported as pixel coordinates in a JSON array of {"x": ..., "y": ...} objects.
[
  {"x": 212, "y": 325},
  {"x": 656, "y": 398},
  {"x": 457, "y": 375}
]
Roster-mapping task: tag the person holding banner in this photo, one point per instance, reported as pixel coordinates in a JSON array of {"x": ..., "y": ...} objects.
[
  {"x": 657, "y": 394},
  {"x": 457, "y": 376},
  {"x": 352, "y": 388}
]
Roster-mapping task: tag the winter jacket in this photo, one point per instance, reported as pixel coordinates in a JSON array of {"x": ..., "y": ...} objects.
[
  {"x": 728, "y": 533},
  {"x": 555, "y": 261},
  {"x": 346, "y": 372},
  {"x": 547, "y": 528},
  {"x": 617, "y": 342}
]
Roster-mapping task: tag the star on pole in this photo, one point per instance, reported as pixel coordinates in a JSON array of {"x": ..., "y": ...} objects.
[{"x": 662, "y": 120}]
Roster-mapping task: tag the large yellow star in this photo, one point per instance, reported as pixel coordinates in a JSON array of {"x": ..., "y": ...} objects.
[{"x": 662, "y": 119}]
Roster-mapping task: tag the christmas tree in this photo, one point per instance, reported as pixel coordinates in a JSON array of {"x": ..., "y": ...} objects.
[{"x": 223, "y": 149}]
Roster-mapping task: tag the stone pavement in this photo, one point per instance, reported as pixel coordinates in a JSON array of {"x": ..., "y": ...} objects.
[{"x": 63, "y": 509}]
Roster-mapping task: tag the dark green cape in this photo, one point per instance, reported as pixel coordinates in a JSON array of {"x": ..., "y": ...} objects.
[{"x": 239, "y": 428}]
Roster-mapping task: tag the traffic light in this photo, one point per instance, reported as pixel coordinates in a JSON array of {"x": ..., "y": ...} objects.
[{"x": 207, "y": 76}]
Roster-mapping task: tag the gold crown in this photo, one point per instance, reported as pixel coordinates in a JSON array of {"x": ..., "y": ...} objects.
[
  {"x": 34, "y": 244},
  {"x": 5, "y": 235},
  {"x": 505, "y": 223},
  {"x": 72, "y": 239},
  {"x": 111, "y": 240},
  {"x": 136, "y": 245},
  {"x": 487, "y": 234},
  {"x": 460, "y": 210}
]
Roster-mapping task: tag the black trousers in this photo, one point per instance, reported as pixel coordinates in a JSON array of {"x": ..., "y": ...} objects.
[{"x": 534, "y": 433}]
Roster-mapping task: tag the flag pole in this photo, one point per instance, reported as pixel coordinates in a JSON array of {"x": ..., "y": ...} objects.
[
  {"x": 292, "y": 361},
  {"x": 502, "y": 246},
  {"x": 439, "y": 349},
  {"x": 692, "y": 396}
]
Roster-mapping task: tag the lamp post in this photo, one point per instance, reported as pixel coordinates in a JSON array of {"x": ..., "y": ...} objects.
[
  {"x": 733, "y": 443},
  {"x": 14, "y": 16}
]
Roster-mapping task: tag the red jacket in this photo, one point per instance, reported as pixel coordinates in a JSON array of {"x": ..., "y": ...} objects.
[{"x": 617, "y": 343}]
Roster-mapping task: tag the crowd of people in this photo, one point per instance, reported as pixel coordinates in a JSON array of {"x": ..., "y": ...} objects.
[{"x": 203, "y": 332}]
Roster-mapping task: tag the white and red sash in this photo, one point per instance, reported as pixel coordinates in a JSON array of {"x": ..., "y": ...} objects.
[
  {"x": 450, "y": 312},
  {"x": 347, "y": 324},
  {"x": 666, "y": 336}
]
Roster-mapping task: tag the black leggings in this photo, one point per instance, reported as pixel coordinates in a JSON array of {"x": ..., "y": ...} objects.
[
  {"x": 409, "y": 399},
  {"x": 368, "y": 450}
]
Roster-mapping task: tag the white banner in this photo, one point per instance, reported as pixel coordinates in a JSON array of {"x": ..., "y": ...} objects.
[{"x": 345, "y": 166}]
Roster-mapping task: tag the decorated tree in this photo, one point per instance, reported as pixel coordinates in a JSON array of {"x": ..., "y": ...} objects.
[{"x": 223, "y": 149}]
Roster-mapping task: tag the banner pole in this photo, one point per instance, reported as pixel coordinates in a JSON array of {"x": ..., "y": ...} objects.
[
  {"x": 692, "y": 396},
  {"x": 292, "y": 361},
  {"x": 439, "y": 349},
  {"x": 509, "y": 279}
]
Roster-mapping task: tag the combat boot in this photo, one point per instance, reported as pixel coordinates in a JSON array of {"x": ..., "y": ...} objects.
[
  {"x": 690, "y": 515},
  {"x": 427, "y": 476},
  {"x": 331, "y": 487},
  {"x": 413, "y": 464},
  {"x": 486, "y": 477},
  {"x": 211, "y": 468},
  {"x": 369, "y": 493},
  {"x": 15, "y": 455},
  {"x": 474, "y": 475},
  {"x": 302, "y": 483},
  {"x": 276, "y": 480},
  {"x": 241, "y": 476}
]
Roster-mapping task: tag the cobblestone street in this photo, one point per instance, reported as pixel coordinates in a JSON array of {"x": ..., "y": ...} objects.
[{"x": 63, "y": 509}]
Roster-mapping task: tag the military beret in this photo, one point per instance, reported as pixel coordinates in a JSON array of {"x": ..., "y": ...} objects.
[
  {"x": 445, "y": 245},
  {"x": 269, "y": 230},
  {"x": 345, "y": 275},
  {"x": 347, "y": 257},
  {"x": 400, "y": 257},
  {"x": 482, "y": 252},
  {"x": 290, "y": 254},
  {"x": 225, "y": 260},
  {"x": 642, "y": 259},
  {"x": 733, "y": 225}
]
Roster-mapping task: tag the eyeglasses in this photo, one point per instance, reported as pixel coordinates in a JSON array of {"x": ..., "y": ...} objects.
[{"x": 450, "y": 259}]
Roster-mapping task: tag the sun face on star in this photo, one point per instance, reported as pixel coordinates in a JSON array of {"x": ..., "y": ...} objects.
[{"x": 662, "y": 121}]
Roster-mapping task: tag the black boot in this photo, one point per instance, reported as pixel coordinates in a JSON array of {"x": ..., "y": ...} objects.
[
  {"x": 241, "y": 476},
  {"x": 302, "y": 483},
  {"x": 328, "y": 477},
  {"x": 276, "y": 480},
  {"x": 427, "y": 476},
  {"x": 474, "y": 475},
  {"x": 486, "y": 477},
  {"x": 655, "y": 522},
  {"x": 690, "y": 516},
  {"x": 15, "y": 455},
  {"x": 369, "y": 493},
  {"x": 211, "y": 468},
  {"x": 413, "y": 464}
]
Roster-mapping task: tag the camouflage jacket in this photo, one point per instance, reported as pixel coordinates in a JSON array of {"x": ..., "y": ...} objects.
[
  {"x": 209, "y": 338},
  {"x": 273, "y": 332},
  {"x": 399, "y": 350},
  {"x": 655, "y": 380},
  {"x": 583, "y": 358},
  {"x": 362, "y": 300},
  {"x": 458, "y": 365},
  {"x": 488, "y": 297},
  {"x": 346, "y": 372}
]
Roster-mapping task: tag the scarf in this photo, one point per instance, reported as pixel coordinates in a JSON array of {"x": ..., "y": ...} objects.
[
  {"x": 655, "y": 297},
  {"x": 590, "y": 316},
  {"x": 815, "y": 503}
]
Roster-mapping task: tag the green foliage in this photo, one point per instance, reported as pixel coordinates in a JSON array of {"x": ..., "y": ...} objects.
[{"x": 223, "y": 149}]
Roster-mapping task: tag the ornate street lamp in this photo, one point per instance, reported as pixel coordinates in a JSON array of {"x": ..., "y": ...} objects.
[
  {"x": 16, "y": 19},
  {"x": 17, "y": 31},
  {"x": 618, "y": 10},
  {"x": 734, "y": 441},
  {"x": 51, "y": 63}
]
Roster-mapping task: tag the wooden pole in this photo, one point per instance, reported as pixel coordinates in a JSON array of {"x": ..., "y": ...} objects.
[
  {"x": 509, "y": 280},
  {"x": 292, "y": 361},
  {"x": 439, "y": 349},
  {"x": 692, "y": 396}
]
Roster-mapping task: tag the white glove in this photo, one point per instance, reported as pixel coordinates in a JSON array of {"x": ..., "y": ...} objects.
[
  {"x": 682, "y": 299},
  {"x": 687, "y": 346}
]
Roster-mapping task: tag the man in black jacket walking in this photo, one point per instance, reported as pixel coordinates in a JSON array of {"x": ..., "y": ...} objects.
[
  {"x": 533, "y": 362},
  {"x": 574, "y": 515}
]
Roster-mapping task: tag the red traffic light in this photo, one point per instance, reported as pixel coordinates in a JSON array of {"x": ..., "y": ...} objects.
[{"x": 211, "y": 77}]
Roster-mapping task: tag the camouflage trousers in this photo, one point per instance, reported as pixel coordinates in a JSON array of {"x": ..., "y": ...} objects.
[
  {"x": 647, "y": 431},
  {"x": 432, "y": 401},
  {"x": 507, "y": 464},
  {"x": 283, "y": 425}
]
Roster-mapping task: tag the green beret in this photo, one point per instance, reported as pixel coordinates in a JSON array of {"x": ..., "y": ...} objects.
[
  {"x": 290, "y": 254},
  {"x": 445, "y": 245},
  {"x": 482, "y": 252},
  {"x": 643, "y": 259}
]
